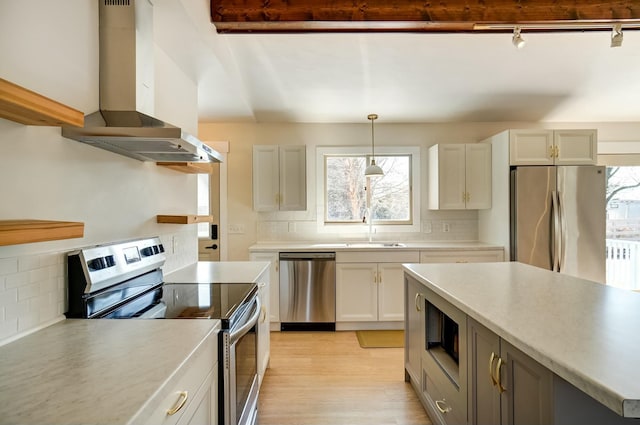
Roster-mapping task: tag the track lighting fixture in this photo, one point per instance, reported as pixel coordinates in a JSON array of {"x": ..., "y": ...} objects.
[
  {"x": 616, "y": 36},
  {"x": 517, "y": 39}
]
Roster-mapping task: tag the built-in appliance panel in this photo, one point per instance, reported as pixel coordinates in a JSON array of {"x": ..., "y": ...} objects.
[{"x": 444, "y": 358}]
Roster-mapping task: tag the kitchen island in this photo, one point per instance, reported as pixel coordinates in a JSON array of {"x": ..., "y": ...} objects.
[
  {"x": 109, "y": 372},
  {"x": 567, "y": 346}
]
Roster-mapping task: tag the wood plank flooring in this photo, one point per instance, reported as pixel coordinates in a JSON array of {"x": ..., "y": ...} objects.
[{"x": 325, "y": 378}]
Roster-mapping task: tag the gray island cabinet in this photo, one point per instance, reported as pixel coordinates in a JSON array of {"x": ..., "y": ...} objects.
[{"x": 508, "y": 343}]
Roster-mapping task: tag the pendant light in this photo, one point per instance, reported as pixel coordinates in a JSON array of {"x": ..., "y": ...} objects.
[{"x": 373, "y": 170}]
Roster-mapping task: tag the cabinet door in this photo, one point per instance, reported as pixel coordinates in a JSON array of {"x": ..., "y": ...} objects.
[
  {"x": 527, "y": 399},
  {"x": 484, "y": 397},
  {"x": 204, "y": 406},
  {"x": 576, "y": 147},
  {"x": 274, "y": 282},
  {"x": 293, "y": 178},
  {"x": 531, "y": 147},
  {"x": 264, "y": 338},
  {"x": 447, "y": 177},
  {"x": 390, "y": 292},
  {"x": 356, "y": 292},
  {"x": 478, "y": 176},
  {"x": 265, "y": 178},
  {"x": 413, "y": 329}
]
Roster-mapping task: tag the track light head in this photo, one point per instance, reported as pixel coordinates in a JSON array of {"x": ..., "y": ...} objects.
[
  {"x": 517, "y": 39},
  {"x": 616, "y": 35}
]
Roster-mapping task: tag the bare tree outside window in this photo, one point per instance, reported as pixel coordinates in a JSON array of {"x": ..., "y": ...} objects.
[{"x": 346, "y": 189}]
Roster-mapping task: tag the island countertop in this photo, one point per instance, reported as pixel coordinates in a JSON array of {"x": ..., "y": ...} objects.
[
  {"x": 101, "y": 371},
  {"x": 585, "y": 332},
  {"x": 218, "y": 272}
]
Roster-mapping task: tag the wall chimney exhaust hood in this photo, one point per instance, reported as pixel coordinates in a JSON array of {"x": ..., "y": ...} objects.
[{"x": 125, "y": 123}]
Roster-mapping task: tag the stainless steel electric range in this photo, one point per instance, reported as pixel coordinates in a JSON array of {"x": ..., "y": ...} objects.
[{"x": 124, "y": 280}]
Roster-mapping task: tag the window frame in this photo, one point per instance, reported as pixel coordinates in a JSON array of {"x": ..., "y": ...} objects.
[{"x": 381, "y": 226}]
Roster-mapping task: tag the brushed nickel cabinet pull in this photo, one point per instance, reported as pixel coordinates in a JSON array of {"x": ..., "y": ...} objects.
[
  {"x": 416, "y": 302},
  {"x": 445, "y": 409}
]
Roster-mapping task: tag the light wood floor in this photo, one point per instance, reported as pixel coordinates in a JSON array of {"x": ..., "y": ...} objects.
[{"x": 325, "y": 378}]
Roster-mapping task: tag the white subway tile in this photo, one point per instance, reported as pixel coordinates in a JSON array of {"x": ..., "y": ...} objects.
[
  {"x": 28, "y": 291},
  {"x": 37, "y": 275},
  {"x": 8, "y": 265},
  {"x": 9, "y": 297},
  {"x": 17, "y": 279},
  {"x": 17, "y": 309},
  {"x": 28, "y": 262},
  {"x": 28, "y": 321}
]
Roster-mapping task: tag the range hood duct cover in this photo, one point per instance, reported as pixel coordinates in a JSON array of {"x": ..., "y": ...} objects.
[{"x": 125, "y": 123}]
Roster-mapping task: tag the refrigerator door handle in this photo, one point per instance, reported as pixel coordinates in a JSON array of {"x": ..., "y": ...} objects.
[
  {"x": 555, "y": 233},
  {"x": 562, "y": 239}
]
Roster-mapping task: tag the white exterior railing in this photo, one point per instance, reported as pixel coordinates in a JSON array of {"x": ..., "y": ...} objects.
[
  {"x": 622, "y": 263},
  {"x": 626, "y": 228}
]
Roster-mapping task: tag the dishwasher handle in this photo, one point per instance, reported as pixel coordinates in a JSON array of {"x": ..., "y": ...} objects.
[{"x": 307, "y": 256}]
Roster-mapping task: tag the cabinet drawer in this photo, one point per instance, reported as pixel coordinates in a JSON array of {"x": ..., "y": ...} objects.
[
  {"x": 462, "y": 256},
  {"x": 193, "y": 374},
  {"x": 445, "y": 406},
  {"x": 384, "y": 256}
]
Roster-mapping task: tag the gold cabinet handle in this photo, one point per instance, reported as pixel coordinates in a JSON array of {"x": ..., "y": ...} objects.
[
  {"x": 557, "y": 151},
  {"x": 491, "y": 360},
  {"x": 179, "y": 404},
  {"x": 263, "y": 312},
  {"x": 552, "y": 151},
  {"x": 416, "y": 302},
  {"x": 445, "y": 409},
  {"x": 501, "y": 389},
  {"x": 277, "y": 266}
]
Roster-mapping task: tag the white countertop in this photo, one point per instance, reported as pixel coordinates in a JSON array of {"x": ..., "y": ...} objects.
[
  {"x": 218, "y": 272},
  {"x": 583, "y": 331},
  {"x": 363, "y": 246},
  {"x": 98, "y": 371}
]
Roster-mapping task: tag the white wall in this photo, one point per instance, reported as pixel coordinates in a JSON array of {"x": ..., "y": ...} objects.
[
  {"x": 51, "y": 47},
  {"x": 265, "y": 227}
]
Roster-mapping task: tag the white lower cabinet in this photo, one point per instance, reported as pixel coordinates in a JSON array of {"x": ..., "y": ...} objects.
[
  {"x": 193, "y": 399},
  {"x": 462, "y": 256},
  {"x": 369, "y": 289},
  {"x": 274, "y": 285},
  {"x": 264, "y": 337}
]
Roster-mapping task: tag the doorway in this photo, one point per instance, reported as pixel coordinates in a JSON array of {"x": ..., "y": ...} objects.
[
  {"x": 623, "y": 226},
  {"x": 212, "y": 195}
]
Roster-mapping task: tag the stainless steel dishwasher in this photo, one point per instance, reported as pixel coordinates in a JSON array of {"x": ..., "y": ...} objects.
[{"x": 308, "y": 291}]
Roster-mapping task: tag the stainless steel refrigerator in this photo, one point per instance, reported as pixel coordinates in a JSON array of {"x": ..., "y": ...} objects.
[{"x": 558, "y": 219}]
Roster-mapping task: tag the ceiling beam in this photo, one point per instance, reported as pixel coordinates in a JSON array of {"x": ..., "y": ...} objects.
[{"x": 416, "y": 16}]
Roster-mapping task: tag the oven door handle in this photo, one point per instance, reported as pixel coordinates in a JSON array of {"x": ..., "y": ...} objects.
[{"x": 253, "y": 320}]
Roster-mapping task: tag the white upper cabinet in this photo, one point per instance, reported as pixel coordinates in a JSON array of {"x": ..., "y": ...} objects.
[
  {"x": 460, "y": 176},
  {"x": 553, "y": 147},
  {"x": 279, "y": 178}
]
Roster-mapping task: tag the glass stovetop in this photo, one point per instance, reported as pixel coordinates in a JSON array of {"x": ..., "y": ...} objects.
[{"x": 205, "y": 301}]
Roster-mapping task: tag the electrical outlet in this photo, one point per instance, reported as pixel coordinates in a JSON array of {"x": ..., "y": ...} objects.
[
  {"x": 446, "y": 227},
  {"x": 236, "y": 228},
  {"x": 175, "y": 244},
  {"x": 426, "y": 227}
]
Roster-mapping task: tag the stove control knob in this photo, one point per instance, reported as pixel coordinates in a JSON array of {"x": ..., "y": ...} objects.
[{"x": 97, "y": 264}]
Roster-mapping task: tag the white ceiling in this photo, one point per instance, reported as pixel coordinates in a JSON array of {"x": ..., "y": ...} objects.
[{"x": 429, "y": 77}]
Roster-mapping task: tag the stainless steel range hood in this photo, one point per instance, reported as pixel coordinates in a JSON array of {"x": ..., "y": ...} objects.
[{"x": 125, "y": 123}]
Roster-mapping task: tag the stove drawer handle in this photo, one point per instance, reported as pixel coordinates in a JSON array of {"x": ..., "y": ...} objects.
[{"x": 184, "y": 395}]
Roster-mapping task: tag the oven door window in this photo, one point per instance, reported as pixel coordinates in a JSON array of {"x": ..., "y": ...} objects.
[{"x": 246, "y": 369}]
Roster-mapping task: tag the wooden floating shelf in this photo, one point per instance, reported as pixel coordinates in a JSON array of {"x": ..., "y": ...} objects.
[
  {"x": 184, "y": 219},
  {"x": 189, "y": 167},
  {"x": 27, "y": 107},
  {"x": 15, "y": 232}
]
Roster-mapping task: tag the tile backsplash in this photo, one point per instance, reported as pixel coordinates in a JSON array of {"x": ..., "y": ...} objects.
[{"x": 33, "y": 288}]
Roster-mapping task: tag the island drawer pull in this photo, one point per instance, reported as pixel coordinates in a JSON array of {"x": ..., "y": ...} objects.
[
  {"x": 501, "y": 389},
  {"x": 445, "y": 409},
  {"x": 179, "y": 404},
  {"x": 491, "y": 360},
  {"x": 416, "y": 300}
]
